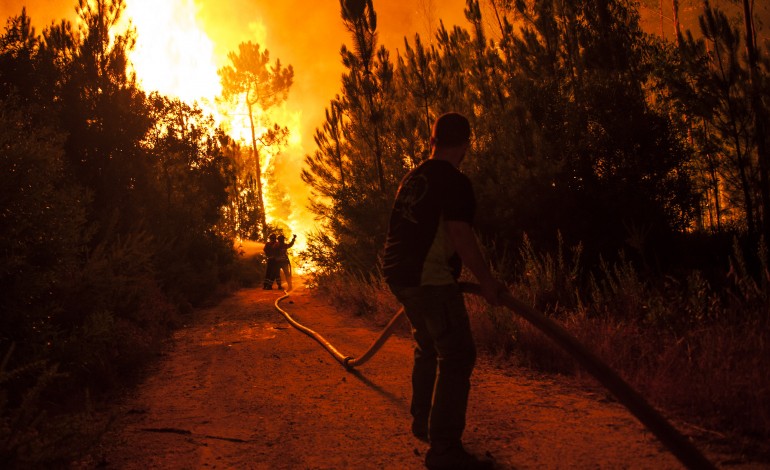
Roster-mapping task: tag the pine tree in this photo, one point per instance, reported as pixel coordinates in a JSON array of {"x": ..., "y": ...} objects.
[
  {"x": 253, "y": 81},
  {"x": 715, "y": 89}
]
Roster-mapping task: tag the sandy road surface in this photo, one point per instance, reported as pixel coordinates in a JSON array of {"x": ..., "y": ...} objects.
[{"x": 240, "y": 388}]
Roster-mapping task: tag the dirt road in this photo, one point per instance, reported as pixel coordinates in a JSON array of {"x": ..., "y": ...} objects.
[{"x": 240, "y": 388}]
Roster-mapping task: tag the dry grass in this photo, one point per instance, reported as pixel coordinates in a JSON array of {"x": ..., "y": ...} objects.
[
  {"x": 362, "y": 296},
  {"x": 696, "y": 353}
]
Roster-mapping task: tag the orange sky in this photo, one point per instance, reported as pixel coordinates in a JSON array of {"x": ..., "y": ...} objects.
[
  {"x": 308, "y": 33},
  {"x": 304, "y": 33}
]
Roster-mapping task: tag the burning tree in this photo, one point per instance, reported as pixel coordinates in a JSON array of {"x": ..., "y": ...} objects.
[{"x": 253, "y": 82}]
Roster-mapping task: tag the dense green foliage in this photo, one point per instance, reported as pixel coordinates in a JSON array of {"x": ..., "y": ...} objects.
[
  {"x": 583, "y": 124},
  {"x": 647, "y": 157},
  {"x": 688, "y": 348},
  {"x": 112, "y": 223},
  {"x": 117, "y": 207}
]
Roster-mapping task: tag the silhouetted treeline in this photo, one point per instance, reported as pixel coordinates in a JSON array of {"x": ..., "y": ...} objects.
[
  {"x": 584, "y": 125},
  {"x": 111, "y": 222},
  {"x": 621, "y": 185}
]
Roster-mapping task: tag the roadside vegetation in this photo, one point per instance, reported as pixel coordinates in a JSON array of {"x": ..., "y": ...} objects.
[
  {"x": 117, "y": 219},
  {"x": 696, "y": 349},
  {"x": 622, "y": 179}
]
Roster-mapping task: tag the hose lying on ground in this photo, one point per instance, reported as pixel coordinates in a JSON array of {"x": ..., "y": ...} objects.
[{"x": 674, "y": 441}]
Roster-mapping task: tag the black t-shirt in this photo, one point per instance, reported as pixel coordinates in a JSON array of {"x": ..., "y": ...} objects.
[{"x": 417, "y": 249}]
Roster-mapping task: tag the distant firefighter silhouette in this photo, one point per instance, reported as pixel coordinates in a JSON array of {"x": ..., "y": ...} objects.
[
  {"x": 271, "y": 271},
  {"x": 283, "y": 265}
]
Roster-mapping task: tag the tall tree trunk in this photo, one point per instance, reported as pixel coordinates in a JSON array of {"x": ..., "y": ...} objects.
[
  {"x": 335, "y": 129},
  {"x": 369, "y": 84},
  {"x": 257, "y": 174},
  {"x": 660, "y": 12},
  {"x": 713, "y": 171},
  {"x": 760, "y": 119},
  {"x": 677, "y": 26},
  {"x": 717, "y": 197},
  {"x": 496, "y": 10},
  {"x": 746, "y": 187},
  {"x": 375, "y": 120}
]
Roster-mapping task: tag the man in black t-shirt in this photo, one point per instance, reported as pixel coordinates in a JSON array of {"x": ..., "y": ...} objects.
[
  {"x": 430, "y": 235},
  {"x": 418, "y": 250}
]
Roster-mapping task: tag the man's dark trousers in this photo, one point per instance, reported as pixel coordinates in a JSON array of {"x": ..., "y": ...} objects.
[{"x": 443, "y": 360}]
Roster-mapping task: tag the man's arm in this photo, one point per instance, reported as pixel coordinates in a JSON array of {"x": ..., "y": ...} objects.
[{"x": 464, "y": 241}]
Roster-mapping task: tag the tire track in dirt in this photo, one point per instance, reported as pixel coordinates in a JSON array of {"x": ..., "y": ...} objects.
[{"x": 240, "y": 388}]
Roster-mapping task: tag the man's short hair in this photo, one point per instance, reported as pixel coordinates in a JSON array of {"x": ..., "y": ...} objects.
[{"x": 451, "y": 130}]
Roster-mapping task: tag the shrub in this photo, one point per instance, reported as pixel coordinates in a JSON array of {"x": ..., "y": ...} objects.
[
  {"x": 30, "y": 437},
  {"x": 362, "y": 296},
  {"x": 550, "y": 281},
  {"x": 698, "y": 351}
]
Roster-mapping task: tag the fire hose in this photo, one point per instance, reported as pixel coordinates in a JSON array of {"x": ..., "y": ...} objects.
[{"x": 671, "y": 438}]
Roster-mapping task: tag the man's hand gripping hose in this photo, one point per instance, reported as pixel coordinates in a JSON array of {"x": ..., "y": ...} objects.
[{"x": 674, "y": 441}]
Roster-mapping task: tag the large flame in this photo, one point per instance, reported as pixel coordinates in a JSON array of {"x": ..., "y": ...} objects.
[{"x": 175, "y": 56}]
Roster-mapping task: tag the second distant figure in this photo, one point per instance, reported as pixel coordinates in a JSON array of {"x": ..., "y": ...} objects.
[
  {"x": 282, "y": 260},
  {"x": 271, "y": 271}
]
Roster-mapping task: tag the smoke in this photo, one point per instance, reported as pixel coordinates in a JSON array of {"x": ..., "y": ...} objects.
[
  {"x": 308, "y": 35},
  {"x": 42, "y": 12},
  {"x": 249, "y": 248},
  {"x": 305, "y": 34}
]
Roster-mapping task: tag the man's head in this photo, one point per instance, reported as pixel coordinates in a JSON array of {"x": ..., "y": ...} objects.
[
  {"x": 271, "y": 237},
  {"x": 281, "y": 238},
  {"x": 451, "y": 137},
  {"x": 451, "y": 130}
]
